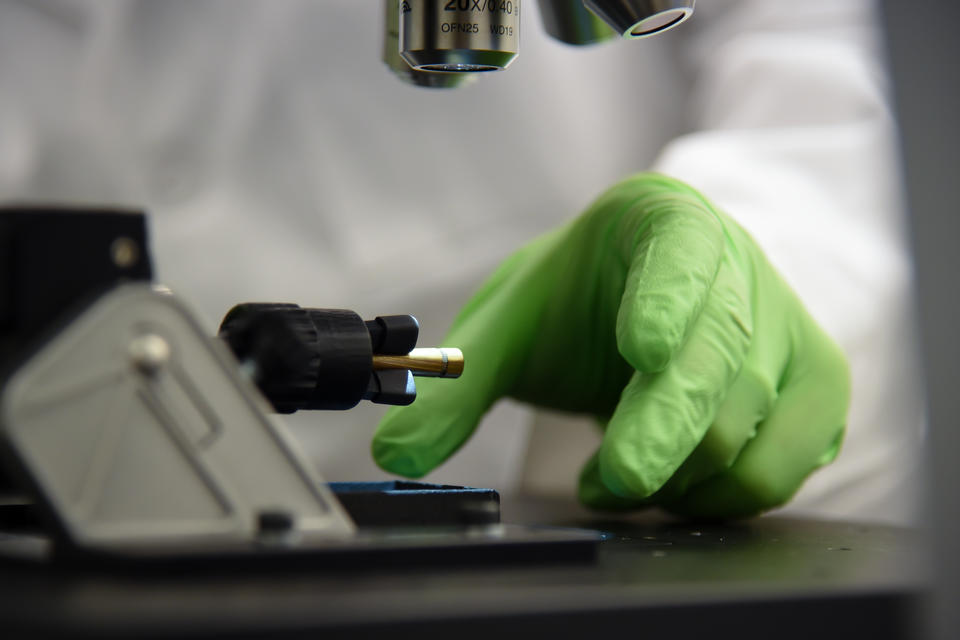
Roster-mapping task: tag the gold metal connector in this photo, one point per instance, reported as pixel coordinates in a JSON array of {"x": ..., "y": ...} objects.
[{"x": 442, "y": 362}]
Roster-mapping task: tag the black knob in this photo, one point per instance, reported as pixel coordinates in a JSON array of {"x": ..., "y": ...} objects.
[
  {"x": 393, "y": 335},
  {"x": 319, "y": 358}
]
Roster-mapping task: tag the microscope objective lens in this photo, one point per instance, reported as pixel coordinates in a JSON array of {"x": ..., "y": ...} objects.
[{"x": 459, "y": 36}]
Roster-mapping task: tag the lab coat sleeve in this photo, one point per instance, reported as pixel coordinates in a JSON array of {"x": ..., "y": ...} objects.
[{"x": 792, "y": 134}]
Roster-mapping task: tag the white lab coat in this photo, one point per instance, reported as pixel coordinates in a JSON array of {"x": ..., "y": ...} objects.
[{"x": 280, "y": 161}]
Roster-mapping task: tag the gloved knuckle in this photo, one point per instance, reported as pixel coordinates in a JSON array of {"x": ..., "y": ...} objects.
[{"x": 764, "y": 490}]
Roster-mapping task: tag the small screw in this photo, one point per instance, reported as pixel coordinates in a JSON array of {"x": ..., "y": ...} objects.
[
  {"x": 125, "y": 252},
  {"x": 149, "y": 353},
  {"x": 274, "y": 522},
  {"x": 276, "y": 527}
]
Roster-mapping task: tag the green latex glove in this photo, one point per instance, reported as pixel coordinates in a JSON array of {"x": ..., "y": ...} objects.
[{"x": 658, "y": 314}]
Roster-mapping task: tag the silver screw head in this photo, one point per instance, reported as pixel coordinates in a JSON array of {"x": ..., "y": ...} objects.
[{"x": 149, "y": 353}]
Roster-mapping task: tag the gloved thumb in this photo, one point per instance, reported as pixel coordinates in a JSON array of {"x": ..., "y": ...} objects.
[{"x": 493, "y": 330}]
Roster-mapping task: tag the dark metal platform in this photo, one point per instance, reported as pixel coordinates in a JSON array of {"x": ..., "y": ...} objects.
[{"x": 766, "y": 578}]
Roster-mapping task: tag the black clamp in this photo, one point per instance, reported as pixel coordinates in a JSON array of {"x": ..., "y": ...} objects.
[{"x": 320, "y": 358}]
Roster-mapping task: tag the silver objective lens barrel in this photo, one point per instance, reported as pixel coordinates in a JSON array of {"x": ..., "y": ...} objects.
[
  {"x": 641, "y": 18},
  {"x": 399, "y": 66},
  {"x": 459, "y": 35},
  {"x": 569, "y": 21}
]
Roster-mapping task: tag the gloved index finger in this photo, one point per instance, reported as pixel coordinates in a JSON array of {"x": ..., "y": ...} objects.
[
  {"x": 491, "y": 330},
  {"x": 674, "y": 242},
  {"x": 662, "y": 417}
]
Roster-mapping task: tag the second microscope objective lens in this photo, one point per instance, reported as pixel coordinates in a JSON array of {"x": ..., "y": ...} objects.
[{"x": 459, "y": 35}]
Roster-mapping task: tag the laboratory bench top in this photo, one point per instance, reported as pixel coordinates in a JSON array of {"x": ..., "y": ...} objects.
[{"x": 769, "y": 577}]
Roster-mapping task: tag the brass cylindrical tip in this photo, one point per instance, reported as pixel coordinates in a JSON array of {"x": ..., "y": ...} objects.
[{"x": 431, "y": 362}]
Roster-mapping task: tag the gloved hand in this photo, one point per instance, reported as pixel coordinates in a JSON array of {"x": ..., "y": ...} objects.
[{"x": 658, "y": 314}]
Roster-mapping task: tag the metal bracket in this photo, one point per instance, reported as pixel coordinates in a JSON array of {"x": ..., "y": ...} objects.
[{"x": 137, "y": 431}]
